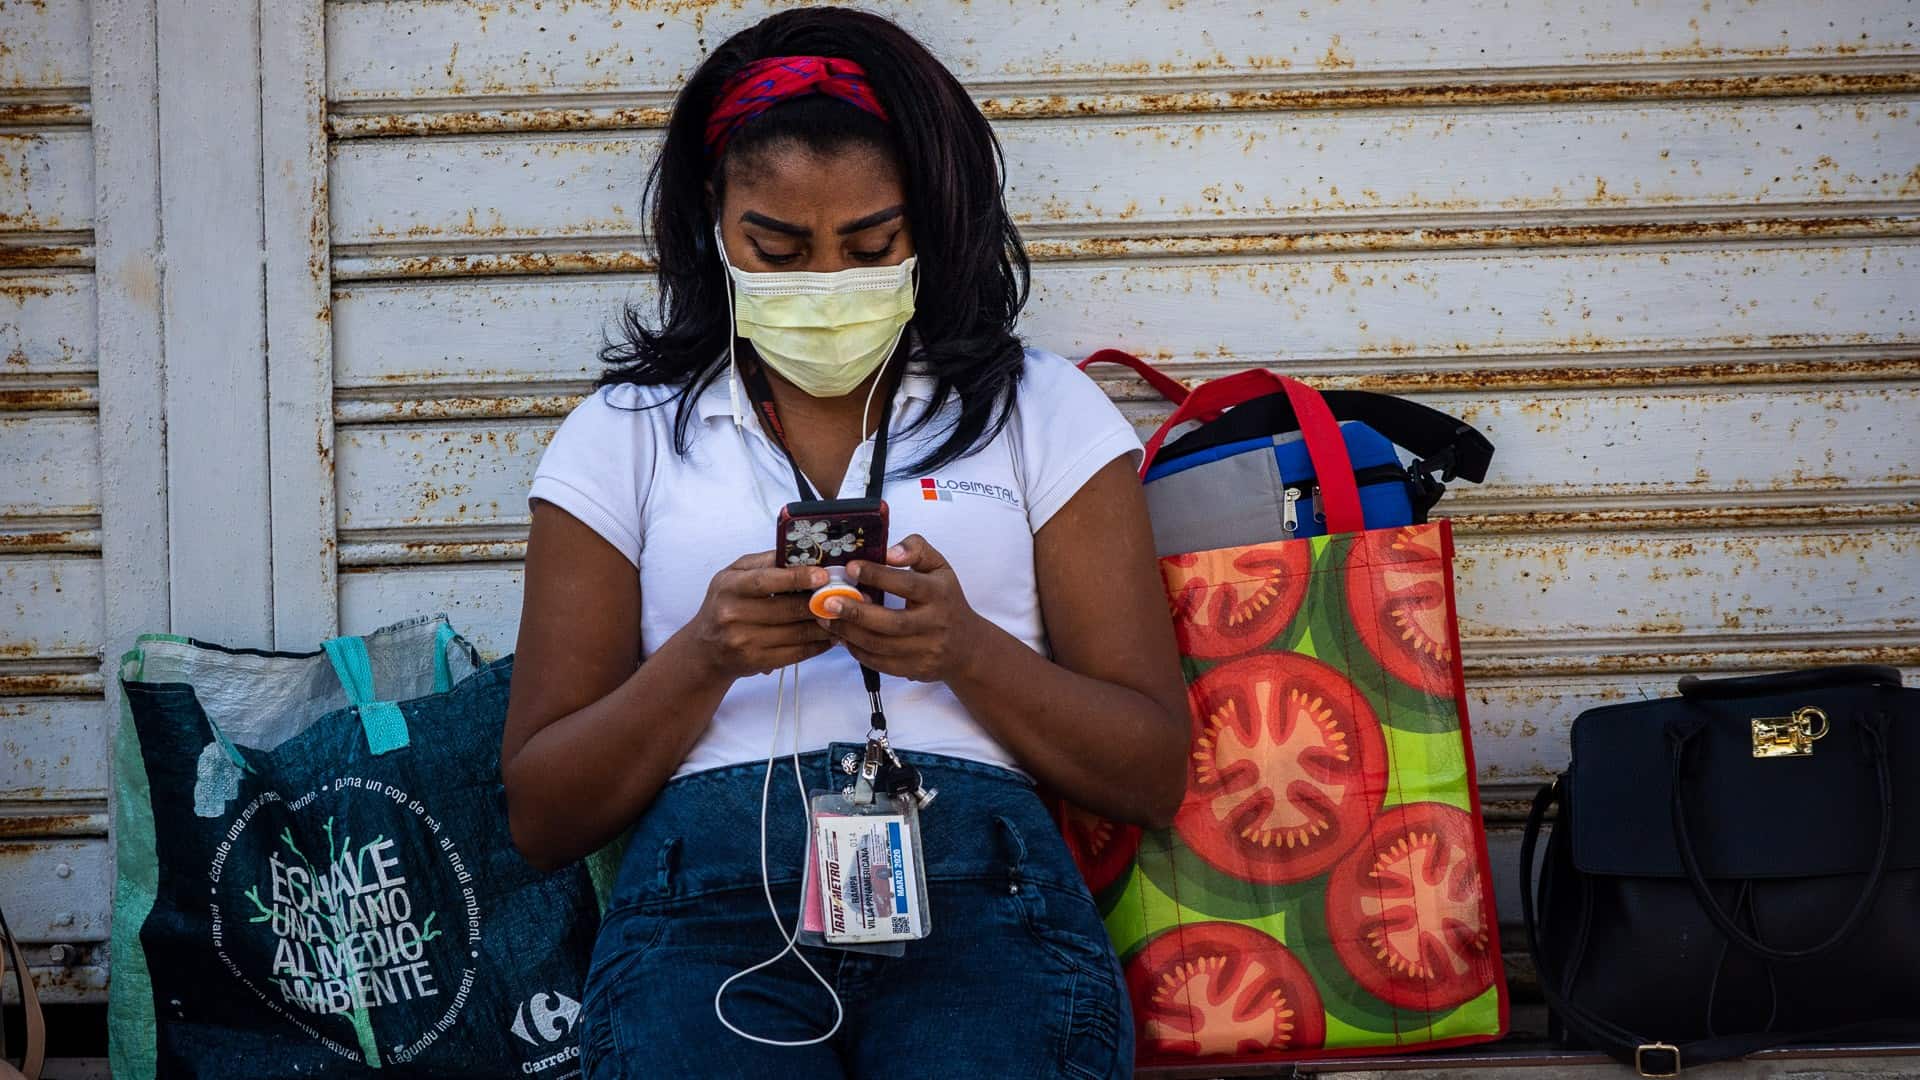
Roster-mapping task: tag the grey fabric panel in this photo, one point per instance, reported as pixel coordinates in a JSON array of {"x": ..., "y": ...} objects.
[
  {"x": 1226, "y": 503},
  {"x": 261, "y": 701}
]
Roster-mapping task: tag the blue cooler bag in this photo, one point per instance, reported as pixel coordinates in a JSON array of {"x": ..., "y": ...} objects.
[
  {"x": 315, "y": 873},
  {"x": 1243, "y": 475}
]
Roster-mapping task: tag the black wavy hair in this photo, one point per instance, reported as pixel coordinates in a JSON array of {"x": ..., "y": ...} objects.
[{"x": 974, "y": 273}]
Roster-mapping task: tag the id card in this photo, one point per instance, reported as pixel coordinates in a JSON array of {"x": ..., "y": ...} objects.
[{"x": 868, "y": 884}]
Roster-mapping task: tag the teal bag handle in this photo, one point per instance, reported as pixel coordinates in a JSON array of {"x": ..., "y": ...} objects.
[
  {"x": 351, "y": 664},
  {"x": 442, "y": 673},
  {"x": 384, "y": 724}
]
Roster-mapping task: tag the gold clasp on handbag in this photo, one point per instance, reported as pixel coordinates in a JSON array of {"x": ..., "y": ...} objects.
[{"x": 1788, "y": 736}]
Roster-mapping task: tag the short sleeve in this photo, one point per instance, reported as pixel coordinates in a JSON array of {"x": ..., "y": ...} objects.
[
  {"x": 1067, "y": 430},
  {"x": 600, "y": 464}
]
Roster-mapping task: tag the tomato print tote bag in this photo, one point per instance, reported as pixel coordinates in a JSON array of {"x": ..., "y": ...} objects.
[{"x": 1324, "y": 890}]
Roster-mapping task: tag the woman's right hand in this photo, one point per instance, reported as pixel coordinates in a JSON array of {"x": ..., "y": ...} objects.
[{"x": 755, "y": 618}]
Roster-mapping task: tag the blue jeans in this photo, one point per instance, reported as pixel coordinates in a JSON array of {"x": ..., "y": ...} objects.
[{"x": 1017, "y": 978}]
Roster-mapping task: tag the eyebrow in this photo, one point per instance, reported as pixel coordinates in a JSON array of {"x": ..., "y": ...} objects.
[{"x": 754, "y": 217}]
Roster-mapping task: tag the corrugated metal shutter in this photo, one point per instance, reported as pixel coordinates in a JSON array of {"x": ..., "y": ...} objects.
[
  {"x": 53, "y": 769},
  {"x": 1662, "y": 253}
]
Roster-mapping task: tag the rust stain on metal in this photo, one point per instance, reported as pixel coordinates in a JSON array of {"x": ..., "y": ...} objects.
[
  {"x": 1329, "y": 238},
  {"x": 1335, "y": 60},
  {"x": 52, "y": 397},
  {"x": 23, "y": 114},
  {"x": 361, "y": 557},
  {"x": 1567, "y": 376},
  {"x": 84, "y": 982},
  {"x": 1814, "y": 514},
  {"x": 41, "y": 255},
  {"x": 468, "y": 407},
  {"x": 23, "y": 826},
  {"x": 29, "y": 543},
  {"x": 518, "y": 262},
  {"x": 50, "y": 684},
  {"x": 1448, "y": 94},
  {"x": 1698, "y": 51},
  {"x": 1145, "y": 103},
  {"x": 1722, "y": 658},
  {"x": 489, "y": 122},
  {"x": 23, "y": 289},
  {"x": 425, "y": 551},
  {"x": 1079, "y": 249}
]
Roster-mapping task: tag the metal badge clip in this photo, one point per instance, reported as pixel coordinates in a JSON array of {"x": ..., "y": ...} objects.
[
  {"x": 863, "y": 787},
  {"x": 1789, "y": 736}
]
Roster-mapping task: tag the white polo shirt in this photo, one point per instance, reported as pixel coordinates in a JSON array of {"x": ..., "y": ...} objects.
[{"x": 681, "y": 519}]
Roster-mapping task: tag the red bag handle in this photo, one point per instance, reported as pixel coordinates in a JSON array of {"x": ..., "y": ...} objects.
[
  {"x": 1332, "y": 468},
  {"x": 1161, "y": 382}
]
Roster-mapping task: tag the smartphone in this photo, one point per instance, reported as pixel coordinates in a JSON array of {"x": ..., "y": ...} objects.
[{"x": 832, "y": 532}]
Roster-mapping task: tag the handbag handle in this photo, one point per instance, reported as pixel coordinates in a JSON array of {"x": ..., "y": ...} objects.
[
  {"x": 36, "y": 1052},
  {"x": 1790, "y": 682},
  {"x": 1629, "y": 1047},
  {"x": 1163, "y": 384},
  {"x": 1680, "y": 735},
  {"x": 1332, "y": 468}
]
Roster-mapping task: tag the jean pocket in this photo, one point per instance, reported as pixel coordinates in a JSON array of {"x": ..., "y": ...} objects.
[
  {"x": 1091, "y": 1047},
  {"x": 1067, "y": 928},
  {"x": 598, "y": 1058},
  {"x": 625, "y": 939}
]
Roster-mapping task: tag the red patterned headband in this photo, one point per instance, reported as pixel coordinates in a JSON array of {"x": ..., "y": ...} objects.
[{"x": 765, "y": 83}]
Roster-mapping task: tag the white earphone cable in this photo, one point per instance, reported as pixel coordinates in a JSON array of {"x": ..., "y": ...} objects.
[{"x": 792, "y": 939}]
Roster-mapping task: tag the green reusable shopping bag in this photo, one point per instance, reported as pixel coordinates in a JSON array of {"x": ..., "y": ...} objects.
[
  {"x": 1324, "y": 889},
  {"x": 316, "y": 875}
]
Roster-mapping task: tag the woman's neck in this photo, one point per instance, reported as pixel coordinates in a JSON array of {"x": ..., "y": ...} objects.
[
  {"x": 823, "y": 433},
  {"x": 803, "y": 414}
]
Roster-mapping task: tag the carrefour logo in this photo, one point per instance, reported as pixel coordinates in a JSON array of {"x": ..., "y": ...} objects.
[
  {"x": 934, "y": 489},
  {"x": 553, "y": 1015}
]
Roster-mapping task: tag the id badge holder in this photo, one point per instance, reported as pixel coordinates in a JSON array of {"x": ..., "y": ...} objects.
[{"x": 865, "y": 888}]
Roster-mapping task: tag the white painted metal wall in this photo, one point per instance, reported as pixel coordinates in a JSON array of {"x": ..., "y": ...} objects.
[
  {"x": 1664, "y": 253},
  {"x": 55, "y": 481}
]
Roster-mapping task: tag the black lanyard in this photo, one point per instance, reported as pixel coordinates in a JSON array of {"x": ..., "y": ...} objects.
[{"x": 760, "y": 393}]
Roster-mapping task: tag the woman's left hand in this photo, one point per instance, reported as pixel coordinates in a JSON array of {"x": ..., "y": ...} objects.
[{"x": 932, "y": 639}]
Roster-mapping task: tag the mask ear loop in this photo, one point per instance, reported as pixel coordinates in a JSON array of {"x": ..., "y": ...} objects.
[
  {"x": 897, "y": 338},
  {"x": 792, "y": 939},
  {"x": 733, "y": 394},
  {"x": 733, "y": 336}
]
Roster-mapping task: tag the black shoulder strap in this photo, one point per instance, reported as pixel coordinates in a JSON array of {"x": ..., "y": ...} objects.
[{"x": 1444, "y": 444}]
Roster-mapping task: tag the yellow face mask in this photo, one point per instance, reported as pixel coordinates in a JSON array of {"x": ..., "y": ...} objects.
[{"x": 824, "y": 333}]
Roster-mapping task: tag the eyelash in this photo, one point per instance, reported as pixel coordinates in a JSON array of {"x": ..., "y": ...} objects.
[{"x": 862, "y": 256}]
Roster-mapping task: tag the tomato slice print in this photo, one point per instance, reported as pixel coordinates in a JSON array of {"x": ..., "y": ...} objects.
[
  {"x": 1406, "y": 910},
  {"x": 1288, "y": 765},
  {"x": 1235, "y": 600},
  {"x": 1397, "y": 593},
  {"x": 1102, "y": 849},
  {"x": 1222, "y": 988}
]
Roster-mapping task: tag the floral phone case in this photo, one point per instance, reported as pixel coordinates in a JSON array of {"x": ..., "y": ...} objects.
[{"x": 832, "y": 532}]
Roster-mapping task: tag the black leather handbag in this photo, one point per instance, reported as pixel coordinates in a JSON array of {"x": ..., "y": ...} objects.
[{"x": 1733, "y": 869}]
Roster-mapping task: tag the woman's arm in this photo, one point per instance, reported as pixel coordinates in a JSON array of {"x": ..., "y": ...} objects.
[
  {"x": 1104, "y": 723},
  {"x": 592, "y": 733}
]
